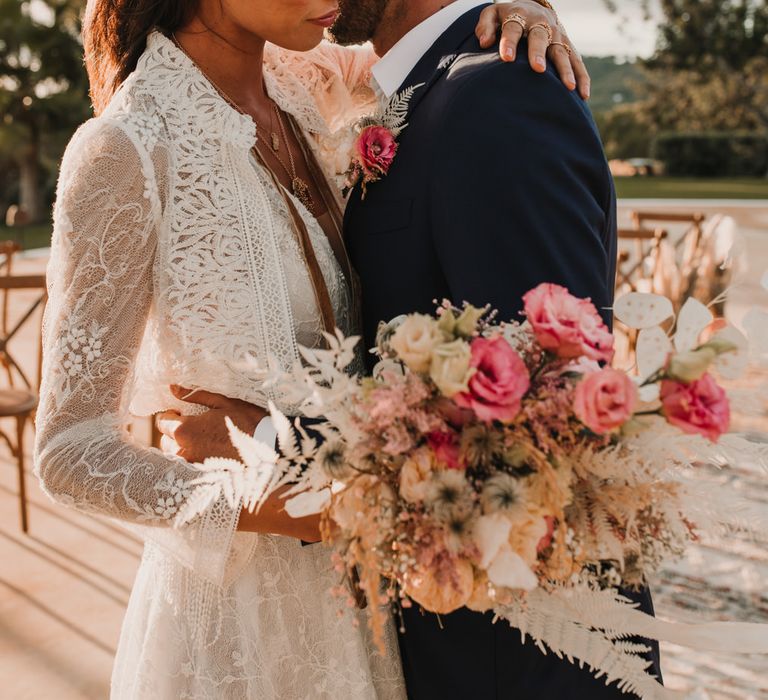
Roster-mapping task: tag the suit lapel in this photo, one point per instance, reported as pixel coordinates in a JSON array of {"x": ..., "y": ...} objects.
[{"x": 440, "y": 56}]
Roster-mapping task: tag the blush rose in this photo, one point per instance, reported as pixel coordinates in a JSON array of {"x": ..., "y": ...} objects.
[
  {"x": 566, "y": 325},
  {"x": 699, "y": 407},
  {"x": 499, "y": 382},
  {"x": 605, "y": 400}
]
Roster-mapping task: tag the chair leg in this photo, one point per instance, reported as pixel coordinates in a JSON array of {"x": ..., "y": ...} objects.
[{"x": 21, "y": 422}]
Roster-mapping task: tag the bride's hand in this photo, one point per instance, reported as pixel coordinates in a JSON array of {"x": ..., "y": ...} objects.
[
  {"x": 196, "y": 438},
  {"x": 567, "y": 61},
  {"x": 272, "y": 519}
]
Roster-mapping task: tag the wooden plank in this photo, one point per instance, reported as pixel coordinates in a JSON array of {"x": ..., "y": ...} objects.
[{"x": 23, "y": 282}]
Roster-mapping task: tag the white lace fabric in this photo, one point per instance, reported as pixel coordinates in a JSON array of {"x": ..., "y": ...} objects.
[{"x": 174, "y": 261}]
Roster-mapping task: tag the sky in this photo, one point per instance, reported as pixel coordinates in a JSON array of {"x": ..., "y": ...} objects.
[{"x": 597, "y": 32}]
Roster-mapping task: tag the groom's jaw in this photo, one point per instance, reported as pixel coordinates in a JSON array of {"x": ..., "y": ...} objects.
[
  {"x": 358, "y": 20},
  {"x": 383, "y": 22}
]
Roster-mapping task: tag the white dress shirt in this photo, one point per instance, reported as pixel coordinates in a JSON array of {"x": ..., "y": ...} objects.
[{"x": 394, "y": 67}]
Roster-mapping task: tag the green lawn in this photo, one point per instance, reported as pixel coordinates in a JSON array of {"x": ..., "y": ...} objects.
[
  {"x": 36, "y": 236},
  {"x": 691, "y": 188}
]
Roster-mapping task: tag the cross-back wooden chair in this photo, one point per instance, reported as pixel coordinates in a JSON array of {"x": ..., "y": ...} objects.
[
  {"x": 633, "y": 272},
  {"x": 19, "y": 399},
  {"x": 687, "y": 247},
  {"x": 8, "y": 250}
]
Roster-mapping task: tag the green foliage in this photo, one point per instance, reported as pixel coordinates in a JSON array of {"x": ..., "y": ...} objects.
[
  {"x": 716, "y": 154},
  {"x": 43, "y": 94},
  {"x": 709, "y": 74},
  {"x": 710, "y": 71},
  {"x": 705, "y": 35},
  {"x": 614, "y": 83},
  {"x": 625, "y": 132}
]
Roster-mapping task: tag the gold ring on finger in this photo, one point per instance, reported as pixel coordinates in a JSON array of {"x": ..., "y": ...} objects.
[
  {"x": 517, "y": 18},
  {"x": 567, "y": 48},
  {"x": 544, "y": 26}
]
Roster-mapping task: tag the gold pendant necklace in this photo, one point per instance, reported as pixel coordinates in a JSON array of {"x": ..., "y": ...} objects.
[{"x": 299, "y": 187}]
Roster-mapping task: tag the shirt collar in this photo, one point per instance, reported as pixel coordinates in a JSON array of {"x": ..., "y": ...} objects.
[{"x": 394, "y": 67}]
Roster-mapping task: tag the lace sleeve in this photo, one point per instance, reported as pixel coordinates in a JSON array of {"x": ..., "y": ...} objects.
[{"x": 100, "y": 292}]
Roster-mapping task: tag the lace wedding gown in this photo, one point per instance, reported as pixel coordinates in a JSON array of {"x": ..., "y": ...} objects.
[{"x": 174, "y": 261}]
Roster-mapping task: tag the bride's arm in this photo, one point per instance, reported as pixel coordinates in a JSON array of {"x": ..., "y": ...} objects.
[{"x": 100, "y": 288}]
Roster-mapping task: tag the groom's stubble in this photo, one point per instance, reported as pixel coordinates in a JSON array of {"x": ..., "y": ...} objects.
[
  {"x": 360, "y": 20},
  {"x": 384, "y": 22}
]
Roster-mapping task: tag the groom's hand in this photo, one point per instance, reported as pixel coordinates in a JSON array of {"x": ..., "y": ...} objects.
[{"x": 196, "y": 438}]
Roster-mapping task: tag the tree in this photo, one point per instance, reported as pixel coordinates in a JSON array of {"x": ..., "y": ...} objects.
[
  {"x": 710, "y": 68},
  {"x": 43, "y": 88},
  {"x": 711, "y": 35}
]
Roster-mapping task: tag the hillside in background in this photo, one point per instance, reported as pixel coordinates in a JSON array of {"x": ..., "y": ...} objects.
[{"x": 612, "y": 82}]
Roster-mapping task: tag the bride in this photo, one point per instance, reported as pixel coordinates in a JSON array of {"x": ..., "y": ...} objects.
[{"x": 194, "y": 229}]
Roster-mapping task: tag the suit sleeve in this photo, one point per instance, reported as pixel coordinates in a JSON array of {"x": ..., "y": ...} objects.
[{"x": 521, "y": 193}]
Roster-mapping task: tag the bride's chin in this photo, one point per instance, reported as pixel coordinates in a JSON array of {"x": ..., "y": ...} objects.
[{"x": 303, "y": 41}]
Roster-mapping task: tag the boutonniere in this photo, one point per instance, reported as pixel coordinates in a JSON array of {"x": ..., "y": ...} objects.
[{"x": 375, "y": 145}]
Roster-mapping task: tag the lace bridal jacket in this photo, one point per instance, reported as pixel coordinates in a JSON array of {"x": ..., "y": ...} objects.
[{"x": 174, "y": 261}]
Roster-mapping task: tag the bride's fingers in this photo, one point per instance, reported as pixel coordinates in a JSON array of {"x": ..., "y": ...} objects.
[
  {"x": 200, "y": 397},
  {"x": 582, "y": 74},
  {"x": 562, "y": 62},
  {"x": 168, "y": 422},
  {"x": 169, "y": 446},
  {"x": 510, "y": 39},
  {"x": 487, "y": 27},
  {"x": 538, "y": 43}
]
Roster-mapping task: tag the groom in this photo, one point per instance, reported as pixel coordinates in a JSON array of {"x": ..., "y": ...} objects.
[{"x": 499, "y": 183}]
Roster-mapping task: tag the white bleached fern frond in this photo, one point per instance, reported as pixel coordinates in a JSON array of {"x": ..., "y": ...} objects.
[
  {"x": 247, "y": 483},
  {"x": 552, "y": 626},
  {"x": 396, "y": 112}
]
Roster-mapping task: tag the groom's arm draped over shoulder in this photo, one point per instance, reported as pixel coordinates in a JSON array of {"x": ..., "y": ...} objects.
[{"x": 520, "y": 192}]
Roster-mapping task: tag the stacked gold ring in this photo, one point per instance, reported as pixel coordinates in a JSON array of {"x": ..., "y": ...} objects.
[
  {"x": 567, "y": 48},
  {"x": 517, "y": 19},
  {"x": 546, "y": 28}
]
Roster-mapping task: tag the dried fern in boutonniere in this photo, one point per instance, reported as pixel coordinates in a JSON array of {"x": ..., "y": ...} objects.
[{"x": 376, "y": 144}]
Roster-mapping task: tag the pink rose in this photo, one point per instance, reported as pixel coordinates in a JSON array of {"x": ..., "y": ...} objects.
[
  {"x": 700, "y": 407},
  {"x": 605, "y": 400},
  {"x": 499, "y": 382},
  {"x": 567, "y": 325},
  {"x": 376, "y": 148},
  {"x": 445, "y": 446},
  {"x": 545, "y": 541}
]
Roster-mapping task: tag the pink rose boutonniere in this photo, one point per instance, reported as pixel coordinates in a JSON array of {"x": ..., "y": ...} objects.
[{"x": 376, "y": 145}]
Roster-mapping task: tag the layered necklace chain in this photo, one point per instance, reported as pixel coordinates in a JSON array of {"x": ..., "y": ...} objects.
[{"x": 299, "y": 186}]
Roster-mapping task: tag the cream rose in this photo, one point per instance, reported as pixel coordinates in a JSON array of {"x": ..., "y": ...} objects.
[
  {"x": 450, "y": 369},
  {"x": 414, "y": 341},
  {"x": 415, "y": 476}
]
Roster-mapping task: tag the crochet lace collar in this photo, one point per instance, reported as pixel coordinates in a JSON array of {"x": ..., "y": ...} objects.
[{"x": 177, "y": 84}]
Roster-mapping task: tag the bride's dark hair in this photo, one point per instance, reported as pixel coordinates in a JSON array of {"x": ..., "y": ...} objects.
[{"x": 115, "y": 35}]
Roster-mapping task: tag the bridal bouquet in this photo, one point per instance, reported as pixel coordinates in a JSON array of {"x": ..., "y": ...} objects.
[{"x": 508, "y": 467}]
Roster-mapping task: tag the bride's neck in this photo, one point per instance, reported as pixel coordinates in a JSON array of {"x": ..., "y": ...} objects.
[{"x": 232, "y": 58}]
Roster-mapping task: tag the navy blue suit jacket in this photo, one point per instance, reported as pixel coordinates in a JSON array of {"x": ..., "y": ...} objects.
[{"x": 500, "y": 183}]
